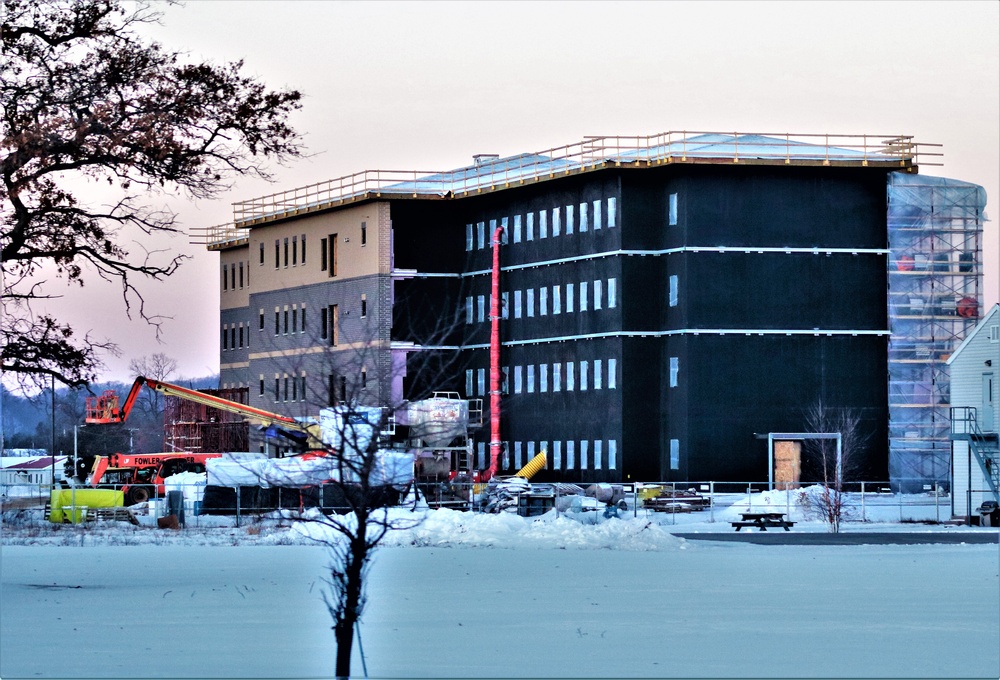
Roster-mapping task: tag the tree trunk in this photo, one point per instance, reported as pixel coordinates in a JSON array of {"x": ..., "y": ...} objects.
[
  {"x": 344, "y": 630},
  {"x": 344, "y": 634}
]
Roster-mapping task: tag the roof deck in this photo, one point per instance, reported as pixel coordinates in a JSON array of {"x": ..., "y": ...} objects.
[{"x": 593, "y": 153}]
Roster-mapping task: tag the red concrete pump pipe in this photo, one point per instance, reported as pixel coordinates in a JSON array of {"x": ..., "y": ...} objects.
[{"x": 495, "y": 358}]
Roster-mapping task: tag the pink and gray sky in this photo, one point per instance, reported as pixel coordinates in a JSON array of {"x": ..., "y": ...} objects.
[{"x": 425, "y": 85}]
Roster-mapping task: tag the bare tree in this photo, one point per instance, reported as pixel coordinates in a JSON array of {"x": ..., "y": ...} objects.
[
  {"x": 362, "y": 475},
  {"x": 86, "y": 98},
  {"x": 832, "y": 465},
  {"x": 149, "y": 405}
]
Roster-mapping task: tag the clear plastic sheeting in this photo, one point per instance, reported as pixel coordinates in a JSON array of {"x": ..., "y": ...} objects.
[{"x": 935, "y": 228}]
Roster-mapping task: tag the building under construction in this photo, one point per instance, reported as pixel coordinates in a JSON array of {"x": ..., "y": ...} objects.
[
  {"x": 664, "y": 302},
  {"x": 199, "y": 428}
]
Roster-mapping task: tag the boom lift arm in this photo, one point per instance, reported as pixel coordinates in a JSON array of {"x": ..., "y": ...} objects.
[{"x": 104, "y": 409}]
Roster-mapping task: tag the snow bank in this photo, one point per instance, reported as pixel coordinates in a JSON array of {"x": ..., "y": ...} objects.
[
  {"x": 191, "y": 484},
  {"x": 451, "y": 528}
]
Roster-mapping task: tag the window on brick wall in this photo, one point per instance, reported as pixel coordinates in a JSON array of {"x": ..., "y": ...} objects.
[{"x": 334, "y": 315}]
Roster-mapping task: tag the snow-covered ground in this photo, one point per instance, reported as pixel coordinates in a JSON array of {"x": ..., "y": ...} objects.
[{"x": 472, "y": 595}]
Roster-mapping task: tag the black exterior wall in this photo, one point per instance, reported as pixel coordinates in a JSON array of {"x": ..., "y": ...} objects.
[
  {"x": 759, "y": 335},
  {"x": 733, "y": 387}
]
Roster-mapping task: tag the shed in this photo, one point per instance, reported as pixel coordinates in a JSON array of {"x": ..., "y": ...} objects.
[{"x": 17, "y": 474}]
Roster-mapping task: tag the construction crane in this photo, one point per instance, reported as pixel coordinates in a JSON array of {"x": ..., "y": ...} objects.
[{"x": 105, "y": 409}]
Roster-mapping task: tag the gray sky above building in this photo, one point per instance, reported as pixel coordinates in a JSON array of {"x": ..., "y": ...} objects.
[{"x": 425, "y": 86}]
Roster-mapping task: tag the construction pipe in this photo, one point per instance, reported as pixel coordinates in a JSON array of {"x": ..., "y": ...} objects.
[
  {"x": 495, "y": 444},
  {"x": 533, "y": 466}
]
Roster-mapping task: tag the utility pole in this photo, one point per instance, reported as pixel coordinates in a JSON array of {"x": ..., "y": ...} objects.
[{"x": 52, "y": 450}]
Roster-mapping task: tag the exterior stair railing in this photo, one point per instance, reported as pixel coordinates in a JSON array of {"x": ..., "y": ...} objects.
[{"x": 985, "y": 446}]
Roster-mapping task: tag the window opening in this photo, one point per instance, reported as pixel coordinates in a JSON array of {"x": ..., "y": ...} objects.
[{"x": 333, "y": 254}]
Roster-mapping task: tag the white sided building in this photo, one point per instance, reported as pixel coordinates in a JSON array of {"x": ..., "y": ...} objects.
[{"x": 975, "y": 423}]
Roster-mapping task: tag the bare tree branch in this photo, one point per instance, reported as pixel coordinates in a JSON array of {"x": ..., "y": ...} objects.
[{"x": 84, "y": 96}]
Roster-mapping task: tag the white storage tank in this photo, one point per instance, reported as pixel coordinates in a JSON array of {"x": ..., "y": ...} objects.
[{"x": 438, "y": 421}]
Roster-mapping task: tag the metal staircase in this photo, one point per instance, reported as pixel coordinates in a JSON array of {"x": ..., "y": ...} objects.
[{"x": 985, "y": 446}]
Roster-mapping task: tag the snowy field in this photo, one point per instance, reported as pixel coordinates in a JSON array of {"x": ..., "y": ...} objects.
[{"x": 467, "y": 595}]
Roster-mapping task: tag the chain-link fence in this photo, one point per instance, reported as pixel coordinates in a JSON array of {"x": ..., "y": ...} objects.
[{"x": 667, "y": 502}]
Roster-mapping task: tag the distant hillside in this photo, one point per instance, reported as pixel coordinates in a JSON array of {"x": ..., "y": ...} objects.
[{"x": 27, "y": 420}]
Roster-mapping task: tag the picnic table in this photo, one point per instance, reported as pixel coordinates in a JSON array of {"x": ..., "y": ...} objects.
[{"x": 763, "y": 520}]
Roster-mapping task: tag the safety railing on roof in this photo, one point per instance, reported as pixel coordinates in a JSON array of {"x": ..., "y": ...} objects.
[{"x": 590, "y": 153}]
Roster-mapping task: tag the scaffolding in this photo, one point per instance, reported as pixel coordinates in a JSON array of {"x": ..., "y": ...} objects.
[
  {"x": 198, "y": 428},
  {"x": 935, "y": 228}
]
